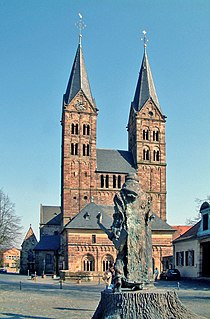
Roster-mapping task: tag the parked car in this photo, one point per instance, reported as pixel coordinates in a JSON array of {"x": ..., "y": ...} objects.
[
  {"x": 170, "y": 274},
  {"x": 3, "y": 271}
]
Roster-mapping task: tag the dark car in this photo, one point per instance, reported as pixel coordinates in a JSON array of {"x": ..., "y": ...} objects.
[
  {"x": 170, "y": 274},
  {"x": 3, "y": 271}
]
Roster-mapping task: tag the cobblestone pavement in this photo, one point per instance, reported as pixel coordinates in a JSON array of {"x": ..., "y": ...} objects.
[{"x": 43, "y": 298}]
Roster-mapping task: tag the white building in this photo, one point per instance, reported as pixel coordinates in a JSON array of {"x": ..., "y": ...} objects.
[{"x": 192, "y": 249}]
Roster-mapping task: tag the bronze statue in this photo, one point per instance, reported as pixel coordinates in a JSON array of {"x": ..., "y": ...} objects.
[{"x": 131, "y": 235}]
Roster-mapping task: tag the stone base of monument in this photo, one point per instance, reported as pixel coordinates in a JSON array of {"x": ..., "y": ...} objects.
[{"x": 142, "y": 304}]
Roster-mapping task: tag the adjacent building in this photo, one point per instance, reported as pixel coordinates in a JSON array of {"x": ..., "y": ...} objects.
[
  {"x": 191, "y": 250},
  {"x": 10, "y": 259}
]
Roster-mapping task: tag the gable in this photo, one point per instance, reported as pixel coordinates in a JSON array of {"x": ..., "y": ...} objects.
[
  {"x": 151, "y": 111},
  {"x": 80, "y": 103}
]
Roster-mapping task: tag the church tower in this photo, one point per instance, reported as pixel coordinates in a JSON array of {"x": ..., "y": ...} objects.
[
  {"x": 78, "y": 140},
  {"x": 146, "y": 138}
]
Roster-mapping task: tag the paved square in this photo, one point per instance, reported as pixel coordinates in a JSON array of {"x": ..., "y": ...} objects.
[{"x": 43, "y": 298}]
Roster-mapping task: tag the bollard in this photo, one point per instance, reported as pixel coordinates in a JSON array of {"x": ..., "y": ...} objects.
[
  {"x": 35, "y": 275},
  {"x": 20, "y": 285},
  {"x": 28, "y": 274},
  {"x": 178, "y": 285},
  {"x": 61, "y": 286}
]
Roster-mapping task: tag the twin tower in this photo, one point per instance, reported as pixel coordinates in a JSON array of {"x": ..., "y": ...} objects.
[{"x": 92, "y": 174}]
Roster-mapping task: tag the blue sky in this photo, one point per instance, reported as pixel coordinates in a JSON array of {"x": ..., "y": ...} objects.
[{"x": 38, "y": 44}]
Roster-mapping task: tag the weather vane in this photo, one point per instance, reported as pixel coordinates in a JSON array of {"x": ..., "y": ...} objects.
[
  {"x": 80, "y": 25},
  {"x": 144, "y": 38}
]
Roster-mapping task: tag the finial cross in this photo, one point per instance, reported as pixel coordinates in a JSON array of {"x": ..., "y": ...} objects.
[
  {"x": 81, "y": 26},
  {"x": 144, "y": 38}
]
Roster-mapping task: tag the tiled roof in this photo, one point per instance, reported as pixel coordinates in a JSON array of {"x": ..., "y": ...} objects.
[
  {"x": 190, "y": 234},
  {"x": 78, "y": 79},
  {"x": 145, "y": 88},
  {"x": 86, "y": 219},
  {"x": 180, "y": 230},
  {"x": 48, "y": 242},
  {"x": 159, "y": 224},
  {"x": 114, "y": 161},
  {"x": 50, "y": 215}
]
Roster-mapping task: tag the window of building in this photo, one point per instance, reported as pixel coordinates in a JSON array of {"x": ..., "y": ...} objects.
[
  {"x": 156, "y": 155},
  {"x": 93, "y": 239},
  {"x": 86, "y": 150},
  {"x": 189, "y": 258},
  {"x": 74, "y": 129},
  {"x": 88, "y": 263},
  {"x": 146, "y": 134},
  {"x": 146, "y": 154},
  {"x": 74, "y": 149},
  {"x": 114, "y": 181},
  {"x": 180, "y": 258},
  {"x": 205, "y": 221},
  {"x": 119, "y": 181},
  {"x": 156, "y": 135},
  {"x": 107, "y": 261},
  {"x": 102, "y": 181},
  {"x": 85, "y": 197},
  {"x": 86, "y": 129},
  {"x": 107, "y": 181}
]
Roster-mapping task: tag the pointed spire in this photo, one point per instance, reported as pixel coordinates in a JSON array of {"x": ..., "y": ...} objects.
[
  {"x": 145, "y": 88},
  {"x": 78, "y": 78}
]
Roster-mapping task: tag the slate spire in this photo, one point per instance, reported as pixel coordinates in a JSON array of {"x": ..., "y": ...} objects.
[
  {"x": 145, "y": 88},
  {"x": 78, "y": 79}
]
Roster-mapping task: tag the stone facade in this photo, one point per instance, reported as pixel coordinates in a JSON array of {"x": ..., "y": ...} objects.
[
  {"x": 27, "y": 255},
  {"x": 146, "y": 131},
  {"x": 92, "y": 251},
  {"x": 82, "y": 178}
]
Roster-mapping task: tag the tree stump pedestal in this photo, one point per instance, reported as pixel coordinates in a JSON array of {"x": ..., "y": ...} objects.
[{"x": 142, "y": 304}]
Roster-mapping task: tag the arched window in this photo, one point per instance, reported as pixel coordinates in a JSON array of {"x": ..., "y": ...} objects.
[
  {"x": 146, "y": 134},
  {"x": 74, "y": 149},
  {"x": 156, "y": 155},
  {"x": 86, "y": 150},
  {"x": 88, "y": 263},
  {"x": 86, "y": 129},
  {"x": 119, "y": 181},
  {"x": 156, "y": 135},
  {"x": 106, "y": 262},
  {"x": 107, "y": 181},
  {"x": 74, "y": 129},
  {"x": 146, "y": 154},
  {"x": 114, "y": 181}
]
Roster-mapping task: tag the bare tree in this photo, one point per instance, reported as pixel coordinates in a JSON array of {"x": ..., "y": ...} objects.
[
  {"x": 10, "y": 227},
  {"x": 192, "y": 221}
]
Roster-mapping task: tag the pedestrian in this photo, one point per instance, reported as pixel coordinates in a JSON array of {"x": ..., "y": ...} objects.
[
  {"x": 108, "y": 277},
  {"x": 156, "y": 273}
]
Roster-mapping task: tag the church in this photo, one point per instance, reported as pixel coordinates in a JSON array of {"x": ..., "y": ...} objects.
[{"x": 70, "y": 238}]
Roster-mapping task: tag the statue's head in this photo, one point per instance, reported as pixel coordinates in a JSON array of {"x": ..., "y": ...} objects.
[{"x": 131, "y": 186}]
